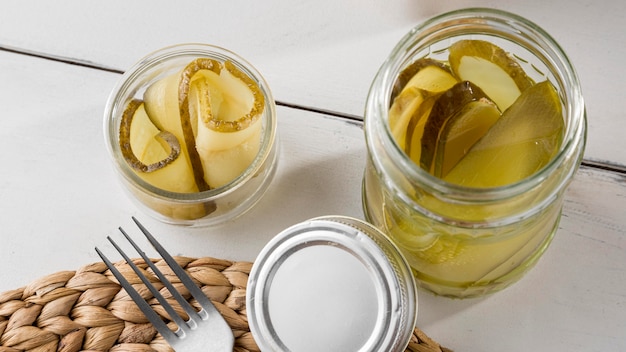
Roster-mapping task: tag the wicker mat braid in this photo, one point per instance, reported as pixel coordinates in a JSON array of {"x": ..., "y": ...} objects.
[{"x": 86, "y": 310}]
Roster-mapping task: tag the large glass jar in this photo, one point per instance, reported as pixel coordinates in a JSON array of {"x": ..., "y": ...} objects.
[{"x": 462, "y": 241}]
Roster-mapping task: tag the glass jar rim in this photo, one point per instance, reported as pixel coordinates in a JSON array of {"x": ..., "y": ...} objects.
[
  {"x": 123, "y": 90},
  {"x": 379, "y": 97}
]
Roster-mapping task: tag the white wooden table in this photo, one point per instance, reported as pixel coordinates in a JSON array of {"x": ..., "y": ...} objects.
[{"x": 59, "y": 197}]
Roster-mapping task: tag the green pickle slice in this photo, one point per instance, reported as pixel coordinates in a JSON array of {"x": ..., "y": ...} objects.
[
  {"x": 415, "y": 98},
  {"x": 457, "y": 120},
  {"x": 491, "y": 68},
  {"x": 519, "y": 144}
]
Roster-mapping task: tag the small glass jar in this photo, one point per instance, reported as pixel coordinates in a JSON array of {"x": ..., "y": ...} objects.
[
  {"x": 331, "y": 284},
  {"x": 203, "y": 208},
  {"x": 461, "y": 241}
]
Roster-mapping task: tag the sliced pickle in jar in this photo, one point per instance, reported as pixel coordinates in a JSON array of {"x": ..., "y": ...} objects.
[
  {"x": 521, "y": 142},
  {"x": 415, "y": 128},
  {"x": 403, "y": 108},
  {"x": 428, "y": 78},
  {"x": 461, "y": 132},
  {"x": 154, "y": 155},
  {"x": 454, "y": 111},
  {"x": 229, "y": 133},
  {"x": 427, "y": 74},
  {"x": 214, "y": 110},
  {"x": 491, "y": 68},
  {"x": 167, "y": 106},
  {"x": 186, "y": 121},
  {"x": 161, "y": 104},
  {"x": 409, "y": 73},
  {"x": 444, "y": 249}
]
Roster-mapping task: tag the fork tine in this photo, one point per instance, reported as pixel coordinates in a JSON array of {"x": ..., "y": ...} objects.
[
  {"x": 173, "y": 291},
  {"x": 196, "y": 292},
  {"x": 168, "y": 308},
  {"x": 152, "y": 316}
]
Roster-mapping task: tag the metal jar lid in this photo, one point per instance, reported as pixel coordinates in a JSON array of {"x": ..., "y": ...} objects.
[{"x": 331, "y": 284}]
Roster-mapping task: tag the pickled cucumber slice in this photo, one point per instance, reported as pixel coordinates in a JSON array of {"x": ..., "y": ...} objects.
[
  {"x": 209, "y": 96},
  {"x": 209, "y": 107},
  {"x": 451, "y": 111},
  {"x": 243, "y": 100},
  {"x": 185, "y": 118},
  {"x": 430, "y": 75},
  {"x": 415, "y": 128},
  {"x": 410, "y": 71},
  {"x": 404, "y": 106},
  {"x": 153, "y": 155},
  {"x": 222, "y": 166},
  {"x": 461, "y": 132},
  {"x": 161, "y": 104},
  {"x": 491, "y": 68},
  {"x": 520, "y": 143},
  {"x": 444, "y": 249},
  {"x": 224, "y": 155},
  {"x": 167, "y": 106},
  {"x": 233, "y": 106},
  {"x": 429, "y": 78}
]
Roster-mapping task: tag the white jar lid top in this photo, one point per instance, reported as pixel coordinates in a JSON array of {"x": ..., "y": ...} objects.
[{"x": 331, "y": 284}]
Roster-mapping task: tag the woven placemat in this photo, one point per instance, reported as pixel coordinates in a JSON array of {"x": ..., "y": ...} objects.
[{"x": 87, "y": 310}]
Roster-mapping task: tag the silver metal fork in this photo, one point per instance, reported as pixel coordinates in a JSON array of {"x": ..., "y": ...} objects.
[{"x": 204, "y": 330}]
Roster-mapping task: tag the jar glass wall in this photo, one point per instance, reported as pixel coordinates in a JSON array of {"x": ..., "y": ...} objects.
[{"x": 462, "y": 241}]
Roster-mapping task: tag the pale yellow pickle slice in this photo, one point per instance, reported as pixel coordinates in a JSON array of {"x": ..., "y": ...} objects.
[
  {"x": 407, "y": 108},
  {"x": 520, "y": 143},
  {"x": 491, "y": 68},
  {"x": 453, "y": 117},
  {"x": 154, "y": 155},
  {"x": 227, "y": 153},
  {"x": 196, "y": 130},
  {"x": 462, "y": 132}
]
